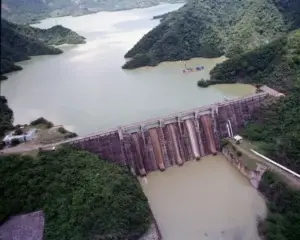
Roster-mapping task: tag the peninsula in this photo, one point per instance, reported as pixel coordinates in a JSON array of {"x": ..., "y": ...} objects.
[{"x": 19, "y": 42}]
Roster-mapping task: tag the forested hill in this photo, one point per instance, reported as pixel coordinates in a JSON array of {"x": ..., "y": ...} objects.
[
  {"x": 211, "y": 28},
  {"x": 276, "y": 64},
  {"x": 18, "y": 42},
  {"x": 32, "y": 10},
  {"x": 276, "y": 126}
]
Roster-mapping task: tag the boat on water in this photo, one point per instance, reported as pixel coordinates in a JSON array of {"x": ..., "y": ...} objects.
[{"x": 189, "y": 69}]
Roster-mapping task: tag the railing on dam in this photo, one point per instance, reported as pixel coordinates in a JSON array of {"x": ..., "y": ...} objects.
[{"x": 159, "y": 143}]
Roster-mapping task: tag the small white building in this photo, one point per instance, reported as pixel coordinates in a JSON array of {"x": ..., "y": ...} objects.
[
  {"x": 28, "y": 136},
  {"x": 238, "y": 139}
]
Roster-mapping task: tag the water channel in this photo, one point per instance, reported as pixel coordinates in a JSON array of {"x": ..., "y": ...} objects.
[{"x": 86, "y": 90}]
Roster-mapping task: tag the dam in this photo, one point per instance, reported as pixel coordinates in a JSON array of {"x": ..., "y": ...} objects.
[{"x": 157, "y": 144}]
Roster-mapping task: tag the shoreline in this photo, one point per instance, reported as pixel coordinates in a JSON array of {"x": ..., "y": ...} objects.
[
  {"x": 222, "y": 58},
  {"x": 99, "y": 10},
  {"x": 153, "y": 233}
]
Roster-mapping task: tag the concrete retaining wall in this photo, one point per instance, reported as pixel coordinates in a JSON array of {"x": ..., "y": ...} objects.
[{"x": 254, "y": 176}]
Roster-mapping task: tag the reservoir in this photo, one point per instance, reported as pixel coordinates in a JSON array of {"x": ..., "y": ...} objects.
[{"x": 86, "y": 89}]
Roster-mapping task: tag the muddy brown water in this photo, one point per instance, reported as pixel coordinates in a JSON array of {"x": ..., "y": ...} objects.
[{"x": 205, "y": 200}]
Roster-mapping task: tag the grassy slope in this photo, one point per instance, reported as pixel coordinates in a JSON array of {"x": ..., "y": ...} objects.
[{"x": 208, "y": 28}]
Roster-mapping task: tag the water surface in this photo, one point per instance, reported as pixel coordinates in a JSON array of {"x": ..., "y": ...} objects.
[
  {"x": 85, "y": 88},
  {"x": 205, "y": 200}
]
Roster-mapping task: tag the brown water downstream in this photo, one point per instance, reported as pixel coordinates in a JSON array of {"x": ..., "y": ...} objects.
[{"x": 205, "y": 200}]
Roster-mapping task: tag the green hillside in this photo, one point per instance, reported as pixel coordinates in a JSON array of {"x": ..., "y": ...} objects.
[
  {"x": 6, "y": 116},
  {"x": 82, "y": 196},
  {"x": 208, "y": 28},
  {"x": 18, "y": 42},
  {"x": 276, "y": 126},
  {"x": 276, "y": 64}
]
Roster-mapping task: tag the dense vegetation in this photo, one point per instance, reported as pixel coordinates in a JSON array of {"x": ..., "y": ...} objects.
[
  {"x": 276, "y": 64},
  {"x": 33, "y": 10},
  {"x": 283, "y": 219},
  {"x": 18, "y": 42},
  {"x": 42, "y": 121},
  {"x": 207, "y": 28},
  {"x": 83, "y": 197},
  {"x": 56, "y": 35},
  {"x": 6, "y": 116},
  {"x": 275, "y": 127},
  {"x": 276, "y": 130}
]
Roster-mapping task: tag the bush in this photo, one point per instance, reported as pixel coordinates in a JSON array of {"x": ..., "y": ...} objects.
[
  {"x": 283, "y": 219},
  {"x": 49, "y": 125},
  {"x": 82, "y": 196},
  {"x": 18, "y": 131},
  {"x": 6, "y": 117},
  {"x": 203, "y": 83},
  {"x": 62, "y": 130},
  {"x": 224, "y": 142},
  {"x": 40, "y": 120},
  {"x": 15, "y": 142},
  {"x": 2, "y": 145},
  {"x": 71, "y": 135}
]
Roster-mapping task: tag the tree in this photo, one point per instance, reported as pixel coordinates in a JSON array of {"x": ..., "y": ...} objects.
[
  {"x": 83, "y": 197},
  {"x": 239, "y": 154},
  {"x": 6, "y": 116}
]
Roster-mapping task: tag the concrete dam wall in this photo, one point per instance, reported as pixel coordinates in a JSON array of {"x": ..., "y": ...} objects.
[{"x": 160, "y": 143}]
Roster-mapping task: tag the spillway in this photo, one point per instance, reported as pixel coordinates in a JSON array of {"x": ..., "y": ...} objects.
[{"x": 158, "y": 144}]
